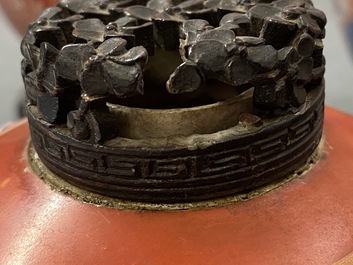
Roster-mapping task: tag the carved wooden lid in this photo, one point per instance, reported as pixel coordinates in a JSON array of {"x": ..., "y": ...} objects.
[{"x": 169, "y": 101}]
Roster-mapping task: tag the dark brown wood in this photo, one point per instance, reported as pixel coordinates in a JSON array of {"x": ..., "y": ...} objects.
[
  {"x": 81, "y": 56},
  {"x": 234, "y": 163}
]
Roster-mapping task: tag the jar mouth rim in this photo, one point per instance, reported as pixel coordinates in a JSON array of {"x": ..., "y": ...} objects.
[
  {"x": 146, "y": 123},
  {"x": 247, "y": 93}
]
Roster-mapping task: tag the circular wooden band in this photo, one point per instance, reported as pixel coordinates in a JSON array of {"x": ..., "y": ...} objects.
[{"x": 232, "y": 163}]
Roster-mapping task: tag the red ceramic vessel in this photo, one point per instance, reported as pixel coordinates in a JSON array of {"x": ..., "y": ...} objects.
[
  {"x": 22, "y": 12},
  {"x": 308, "y": 221}
]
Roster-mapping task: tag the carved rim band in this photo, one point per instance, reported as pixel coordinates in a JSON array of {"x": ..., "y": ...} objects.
[
  {"x": 58, "y": 184},
  {"x": 227, "y": 164}
]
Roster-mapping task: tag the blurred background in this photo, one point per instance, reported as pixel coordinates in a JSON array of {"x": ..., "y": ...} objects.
[{"x": 338, "y": 52}]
